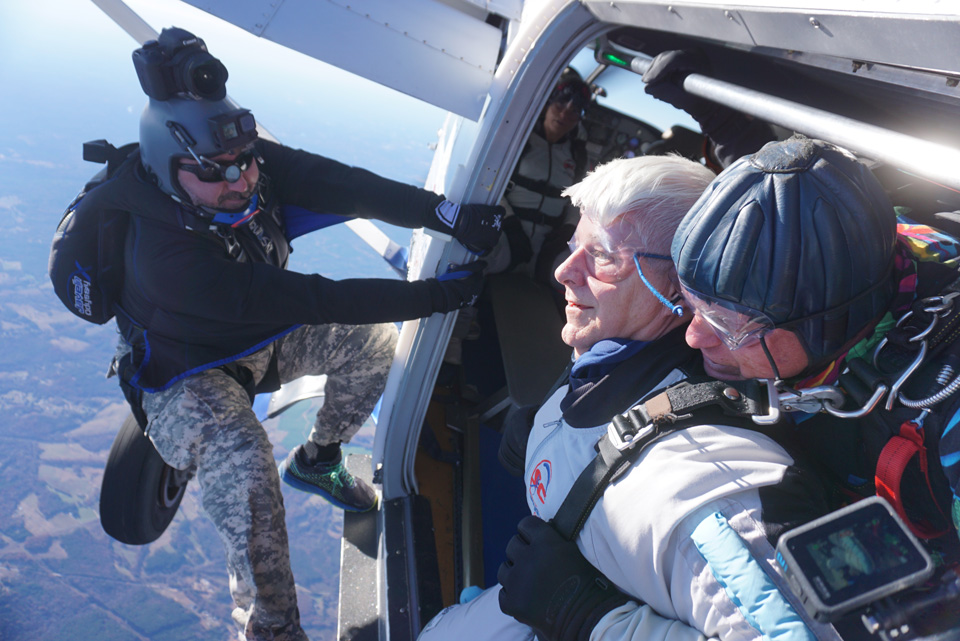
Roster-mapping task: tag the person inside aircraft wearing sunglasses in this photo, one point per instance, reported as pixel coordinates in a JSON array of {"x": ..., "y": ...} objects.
[
  {"x": 625, "y": 325},
  {"x": 539, "y": 219},
  {"x": 787, "y": 261},
  {"x": 210, "y": 314}
]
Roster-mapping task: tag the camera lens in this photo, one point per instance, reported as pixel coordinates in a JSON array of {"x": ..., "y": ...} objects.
[{"x": 205, "y": 76}]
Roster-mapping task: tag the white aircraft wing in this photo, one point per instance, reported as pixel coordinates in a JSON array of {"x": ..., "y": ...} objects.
[{"x": 408, "y": 46}]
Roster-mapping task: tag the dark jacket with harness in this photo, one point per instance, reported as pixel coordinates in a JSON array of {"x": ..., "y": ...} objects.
[
  {"x": 198, "y": 296},
  {"x": 544, "y": 170}
]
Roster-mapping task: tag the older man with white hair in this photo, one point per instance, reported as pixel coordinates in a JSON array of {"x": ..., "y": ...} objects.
[
  {"x": 787, "y": 262},
  {"x": 624, "y": 321}
]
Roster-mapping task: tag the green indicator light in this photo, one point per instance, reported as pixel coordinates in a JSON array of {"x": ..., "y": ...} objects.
[{"x": 615, "y": 60}]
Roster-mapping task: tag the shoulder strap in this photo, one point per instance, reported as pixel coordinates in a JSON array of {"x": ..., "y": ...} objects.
[
  {"x": 683, "y": 405},
  {"x": 542, "y": 187},
  {"x": 578, "y": 147}
]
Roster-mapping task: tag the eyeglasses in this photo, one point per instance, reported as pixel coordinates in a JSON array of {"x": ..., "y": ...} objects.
[
  {"x": 737, "y": 326},
  {"x": 210, "y": 171},
  {"x": 606, "y": 266},
  {"x": 613, "y": 267}
]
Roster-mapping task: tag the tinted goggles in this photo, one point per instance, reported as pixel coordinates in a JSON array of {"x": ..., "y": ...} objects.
[
  {"x": 579, "y": 97},
  {"x": 210, "y": 171}
]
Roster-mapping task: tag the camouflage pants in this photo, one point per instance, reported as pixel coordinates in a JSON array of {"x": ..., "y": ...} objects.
[{"x": 205, "y": 424}]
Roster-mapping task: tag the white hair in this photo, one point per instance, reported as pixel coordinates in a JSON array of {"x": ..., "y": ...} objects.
[{"x": 649, "y": 194}]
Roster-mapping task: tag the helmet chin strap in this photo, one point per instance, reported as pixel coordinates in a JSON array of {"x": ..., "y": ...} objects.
[{"x": 766, "y": 351}]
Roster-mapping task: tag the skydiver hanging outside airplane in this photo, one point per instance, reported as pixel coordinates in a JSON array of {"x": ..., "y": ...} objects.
[{"x": 209, "y": 313}]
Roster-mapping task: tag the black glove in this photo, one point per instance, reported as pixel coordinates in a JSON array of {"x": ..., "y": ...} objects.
[
  {"x": 664, "y": 81},
  {"x": 520, "y": 249},
  {"x": 457, "y": 288},
  {"x": 733, "y": 133},
  {"x": 477, "y": 227},
  {"x": 548, "y": 585}
]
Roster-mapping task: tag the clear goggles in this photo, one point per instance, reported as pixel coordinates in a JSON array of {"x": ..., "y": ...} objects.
[
  {"x": 737, "y": 326},
  {"x": 613, "y": 267}
]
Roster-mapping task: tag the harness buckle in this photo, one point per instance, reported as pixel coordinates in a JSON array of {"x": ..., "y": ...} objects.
[
  {"x": 772, "y": 416},
  {"x": 630, "y": 439}
]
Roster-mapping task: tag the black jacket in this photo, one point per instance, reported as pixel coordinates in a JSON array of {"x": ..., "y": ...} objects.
[{"x": 189, "y": 305}]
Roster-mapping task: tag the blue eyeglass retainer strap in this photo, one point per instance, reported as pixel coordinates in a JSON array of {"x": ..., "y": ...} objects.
[{"x": 674, "y": 308}]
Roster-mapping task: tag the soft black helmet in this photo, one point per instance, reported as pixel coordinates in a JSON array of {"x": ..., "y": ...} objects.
[
  {"x": 184, "y": 127},
  {"x": 800, "y": 232}
]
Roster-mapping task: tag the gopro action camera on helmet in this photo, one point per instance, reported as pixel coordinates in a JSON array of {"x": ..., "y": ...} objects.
[
  {"x": 851, "y": 558},
  {"x": 178, "y": 63}
]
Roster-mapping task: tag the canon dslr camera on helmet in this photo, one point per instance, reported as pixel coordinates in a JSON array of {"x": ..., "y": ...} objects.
[{"x": 177, "y": 64}]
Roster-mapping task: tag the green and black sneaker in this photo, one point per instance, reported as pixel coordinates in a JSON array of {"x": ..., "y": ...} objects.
[{"x": 331, "y": 480}]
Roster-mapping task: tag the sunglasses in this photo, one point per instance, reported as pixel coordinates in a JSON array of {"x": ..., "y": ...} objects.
[
  {"x": 580, "y": 98},
  {"x": 210, "y": 171}
]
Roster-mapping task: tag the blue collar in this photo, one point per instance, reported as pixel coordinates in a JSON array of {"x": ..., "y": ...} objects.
[
  {"x": 597, "y": 362},
  {"x": 238, "y": 218}
]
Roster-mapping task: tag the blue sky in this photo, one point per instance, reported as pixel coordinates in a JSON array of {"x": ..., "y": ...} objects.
[
  {"x": 71, "y": 60},
  {"x": 74, "y": 74}
]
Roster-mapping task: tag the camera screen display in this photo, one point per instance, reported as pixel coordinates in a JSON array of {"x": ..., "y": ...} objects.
[
  {"x": 230, "y": 131},
  {"x": 855, "y": 554}
]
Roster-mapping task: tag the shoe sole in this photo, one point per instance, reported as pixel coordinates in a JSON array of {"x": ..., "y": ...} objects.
[{"x": 288, "y": 477}]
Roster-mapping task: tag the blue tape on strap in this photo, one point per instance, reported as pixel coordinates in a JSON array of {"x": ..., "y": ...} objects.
[
  {"x": 457, "y": 275},
  {"x": 745, "y": 582}
]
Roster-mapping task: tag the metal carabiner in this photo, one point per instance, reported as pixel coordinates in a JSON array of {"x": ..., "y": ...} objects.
[
  {"x": 811, "y": 400},
  {"x": 945, "y": 303},
  {"x": 863, "y": 411},
  {"x": 902, "y": 379}
]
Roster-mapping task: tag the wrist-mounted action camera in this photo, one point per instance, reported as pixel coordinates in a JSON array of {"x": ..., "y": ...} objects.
[{"x": 851, "y": 558}]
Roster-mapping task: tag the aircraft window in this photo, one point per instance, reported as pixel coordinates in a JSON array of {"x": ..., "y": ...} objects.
[{"x": 625, "y": 94}]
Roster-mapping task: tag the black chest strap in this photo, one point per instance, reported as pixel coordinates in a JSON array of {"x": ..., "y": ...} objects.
[{"x": 683, "y": 405}]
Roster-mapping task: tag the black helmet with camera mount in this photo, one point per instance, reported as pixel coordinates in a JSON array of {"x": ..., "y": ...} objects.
[
  {"x": 188, "y": 114},
  {"x": 171, "y": 130}
]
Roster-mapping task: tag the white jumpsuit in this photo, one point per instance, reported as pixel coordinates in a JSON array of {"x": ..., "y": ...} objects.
[{"x": 680, "y": 531}]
